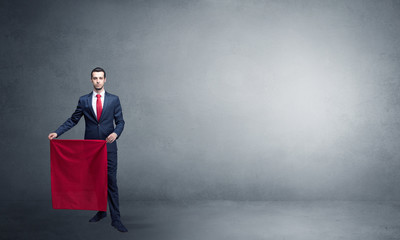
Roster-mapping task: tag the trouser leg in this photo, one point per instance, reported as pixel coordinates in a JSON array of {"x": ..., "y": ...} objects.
[{"x": 113, "y": 199}]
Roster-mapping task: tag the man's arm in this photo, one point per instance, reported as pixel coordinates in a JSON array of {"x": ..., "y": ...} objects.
[
  {"x": 119, "y": 122},
  {"x": 70, "y": 123},
  {"x": 119, "y": 119}
]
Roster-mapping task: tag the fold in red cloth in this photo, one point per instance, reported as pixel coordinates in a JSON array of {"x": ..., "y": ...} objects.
[{"x": 79, "y": 174}]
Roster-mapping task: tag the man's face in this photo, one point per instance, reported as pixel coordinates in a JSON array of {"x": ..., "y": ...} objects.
[{"x": 98, "y": 80}]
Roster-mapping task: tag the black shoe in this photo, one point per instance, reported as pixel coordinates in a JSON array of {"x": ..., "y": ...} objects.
[
  {"x": 99, "y": 215},
  {"x": 119, "y": 226}
]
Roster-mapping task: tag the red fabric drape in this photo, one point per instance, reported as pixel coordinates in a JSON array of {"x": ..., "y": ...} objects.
[{"x": 79, "y": 174}]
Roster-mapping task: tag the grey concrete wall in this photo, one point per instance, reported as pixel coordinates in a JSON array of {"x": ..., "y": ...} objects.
[{"x": 241, "y": 100}]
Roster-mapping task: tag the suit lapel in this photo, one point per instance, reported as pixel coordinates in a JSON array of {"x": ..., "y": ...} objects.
[
  {"x": 89, "y": 102},
  {"x": 106, "y": 103}
]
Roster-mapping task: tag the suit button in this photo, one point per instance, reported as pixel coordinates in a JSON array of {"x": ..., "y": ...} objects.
[{"x": 98, "y": 125}]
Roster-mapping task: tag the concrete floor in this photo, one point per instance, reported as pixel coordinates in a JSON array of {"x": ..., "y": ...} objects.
[{"x": 208, "y": 221}]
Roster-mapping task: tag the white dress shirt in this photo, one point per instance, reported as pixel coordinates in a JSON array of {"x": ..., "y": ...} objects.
[{"x": 94, "y": 101}]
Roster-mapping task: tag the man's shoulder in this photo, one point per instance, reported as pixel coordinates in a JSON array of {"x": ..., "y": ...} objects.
[
  {"x": 86, "y": 96},
  {"x": 111, "y": 95}
]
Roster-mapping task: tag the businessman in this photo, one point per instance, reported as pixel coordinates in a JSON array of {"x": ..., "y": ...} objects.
[{"x": 101, "y": 110}]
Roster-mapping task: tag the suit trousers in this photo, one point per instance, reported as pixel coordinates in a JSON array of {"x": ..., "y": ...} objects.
[{"x": 113, "y": 199}]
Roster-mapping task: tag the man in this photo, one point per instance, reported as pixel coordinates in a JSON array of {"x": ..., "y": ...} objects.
[{"x": 100, "y": 110}]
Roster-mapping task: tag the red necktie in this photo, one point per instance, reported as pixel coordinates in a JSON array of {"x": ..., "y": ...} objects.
[{"x": 99, "y": 108}]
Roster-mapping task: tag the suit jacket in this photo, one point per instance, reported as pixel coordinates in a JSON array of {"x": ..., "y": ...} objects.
[{"x": 94, "y": 129}]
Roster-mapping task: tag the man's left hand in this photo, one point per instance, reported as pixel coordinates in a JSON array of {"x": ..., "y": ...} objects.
[{"x": 111, "y": 138}]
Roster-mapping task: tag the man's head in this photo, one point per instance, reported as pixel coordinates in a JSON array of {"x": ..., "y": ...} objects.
[{"x": 98, "y": 78}]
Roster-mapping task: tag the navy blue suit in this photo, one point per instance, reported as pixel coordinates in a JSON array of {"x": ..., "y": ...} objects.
[{"x": 112, "y": 112}]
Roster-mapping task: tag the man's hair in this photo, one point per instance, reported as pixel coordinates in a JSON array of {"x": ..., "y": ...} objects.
[{"x": 98, "y": 69}]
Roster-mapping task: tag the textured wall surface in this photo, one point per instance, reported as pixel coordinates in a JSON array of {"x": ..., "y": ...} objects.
[{"x": 241, "y": 100}]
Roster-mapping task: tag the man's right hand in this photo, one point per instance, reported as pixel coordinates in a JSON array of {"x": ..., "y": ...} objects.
[{"x": 52, "y": 135}]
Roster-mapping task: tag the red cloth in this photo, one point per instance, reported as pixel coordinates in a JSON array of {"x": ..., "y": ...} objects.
[{"x": 79, "y": 174}]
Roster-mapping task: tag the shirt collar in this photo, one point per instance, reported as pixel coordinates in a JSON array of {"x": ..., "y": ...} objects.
[{"x": 102, "y": 93}]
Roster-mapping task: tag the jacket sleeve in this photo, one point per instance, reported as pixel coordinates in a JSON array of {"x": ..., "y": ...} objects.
[
  {"x": 72, "y": 121},
  {"x": 119, "y": 119}
]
